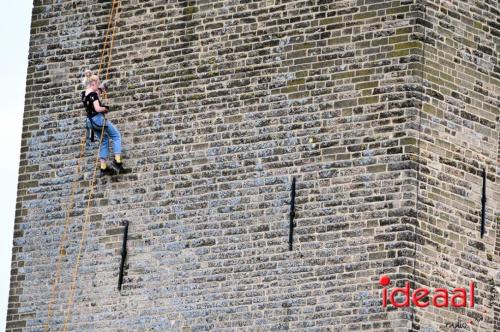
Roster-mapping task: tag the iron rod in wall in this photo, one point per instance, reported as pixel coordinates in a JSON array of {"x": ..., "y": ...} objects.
[
  {"x": 124, "y": 256},
  {"x": 483, "y": 203},
  {"x": 292, "y": 215}
]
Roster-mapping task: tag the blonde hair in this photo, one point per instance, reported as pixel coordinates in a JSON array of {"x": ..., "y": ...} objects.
[{"x": 89, "y": 78}]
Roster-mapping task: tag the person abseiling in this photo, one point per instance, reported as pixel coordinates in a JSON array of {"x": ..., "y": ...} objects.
[{"x": 96, "y": 119}]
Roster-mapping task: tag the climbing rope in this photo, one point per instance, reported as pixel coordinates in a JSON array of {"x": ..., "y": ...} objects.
[
  {"x": 86, "y": 218},
  {"x": 106, "y": 47},
  {"x": 69, "y": 211},
  {"x": 109, "y": 31}
]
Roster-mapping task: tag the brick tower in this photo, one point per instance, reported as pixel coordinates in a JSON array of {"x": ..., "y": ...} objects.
[{"x": 386, "y": 113}]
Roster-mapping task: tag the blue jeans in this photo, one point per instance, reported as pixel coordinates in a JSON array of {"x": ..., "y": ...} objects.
[{"x": 110, "y": 131}]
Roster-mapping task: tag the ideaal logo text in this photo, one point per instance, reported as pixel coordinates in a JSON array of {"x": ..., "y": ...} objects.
[{"x": 423, "y": 297}]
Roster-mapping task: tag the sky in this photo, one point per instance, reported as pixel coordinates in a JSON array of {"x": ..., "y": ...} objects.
[{"x": 15, "y": 19}]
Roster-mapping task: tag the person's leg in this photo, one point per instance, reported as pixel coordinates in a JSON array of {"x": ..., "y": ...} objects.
[
  {"x": 115, "y": 136},
  {"x": 97, "y": 123},
  {"x": 104, "y": 150}
]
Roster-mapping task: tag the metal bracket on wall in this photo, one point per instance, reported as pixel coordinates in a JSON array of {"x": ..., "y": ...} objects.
[
  {"x": 124, "y": 256},
  {"x": 483, "y": 203},
  {"x": 291, "y": 215}
]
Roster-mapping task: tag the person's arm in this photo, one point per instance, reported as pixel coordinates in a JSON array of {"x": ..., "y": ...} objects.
[{"x": 98, "y": 108}]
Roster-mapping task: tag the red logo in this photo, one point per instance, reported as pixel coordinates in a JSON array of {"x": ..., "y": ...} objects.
[{"x": 423, "y": 297}]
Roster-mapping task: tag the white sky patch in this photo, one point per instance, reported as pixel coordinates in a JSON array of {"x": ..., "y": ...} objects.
[{"x": 15, "y": 19}]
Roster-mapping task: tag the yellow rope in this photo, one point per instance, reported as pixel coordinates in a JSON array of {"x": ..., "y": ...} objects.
[
  {"x": 108, "y": 31},
  {"x": 105, "y": 94},
  {"x": 114, "y": 10},
  {"x": 89, "y": 201},
  {"x": 86, "y": 218},
  {"x": 69, "y": 211}
]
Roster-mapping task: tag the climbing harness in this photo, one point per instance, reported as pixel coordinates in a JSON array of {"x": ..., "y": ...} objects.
[
  {"x": 88, "y": 102},
  {"x": 108, "y": 46}
]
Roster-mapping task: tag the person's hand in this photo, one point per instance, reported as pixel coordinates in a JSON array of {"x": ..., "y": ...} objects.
[{"x": 104, "y": 86}]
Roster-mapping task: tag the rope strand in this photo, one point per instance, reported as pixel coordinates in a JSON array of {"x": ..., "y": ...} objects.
[
  {"x": 69, "y": 211},
  {"x": 107, "y": 46},
  {"x": 108, "y": 31},
  {"x": 89, "y": 201},
  {"x": 86, "y": 218}
]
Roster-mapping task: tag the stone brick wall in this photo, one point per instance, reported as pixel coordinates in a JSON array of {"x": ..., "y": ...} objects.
[
  {"x": 384, "y": 111},
  {"x": 458, "y": 138}
]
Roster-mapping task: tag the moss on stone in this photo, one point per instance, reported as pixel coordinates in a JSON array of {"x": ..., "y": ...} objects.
[
  {"x": 330, "y": 20},
  {"x": 366, "y": 85},
  {"x": 398, "y": 39},
  {"x": 196, "y": 96},
  {"x": 304, "y": 46},
  {"x": 398, "y": 53},
  {"x": 368, "y": 100},
  {"x": 402, "y": 31},
  {"x": 247, "y": 96},
  {"x": 339, "y": 40},
  {"x": 397, "y": 10},
  {"x": 290, "y": 89},
  {"x": 190, "y": 10},
  {"x": 342, "y": 75},
  {"x": 364, "y": 72},
  {"x": 296, "y": 81},
  {"x": 411, "y": 44},
  {"x": 362, "y": 16}
]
